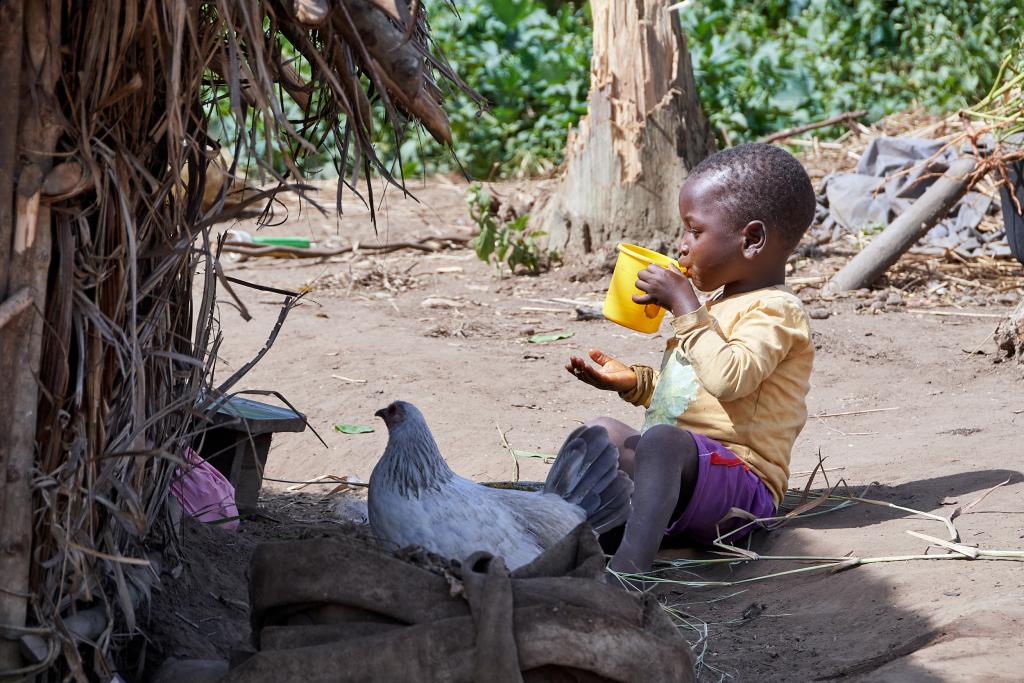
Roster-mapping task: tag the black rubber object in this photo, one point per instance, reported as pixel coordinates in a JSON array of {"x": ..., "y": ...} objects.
[{"x": 1013, "y": 221}]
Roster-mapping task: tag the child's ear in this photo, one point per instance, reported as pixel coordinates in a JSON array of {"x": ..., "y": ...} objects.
[{"x": 755, "y": 238}]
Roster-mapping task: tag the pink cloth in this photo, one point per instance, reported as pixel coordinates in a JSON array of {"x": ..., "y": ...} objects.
[{"x": 204, "y": 493}]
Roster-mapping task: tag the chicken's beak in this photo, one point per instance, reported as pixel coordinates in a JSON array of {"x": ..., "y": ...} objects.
[
  {"x": 387, "y": 414},
  {"x": 393, "y": 414}
]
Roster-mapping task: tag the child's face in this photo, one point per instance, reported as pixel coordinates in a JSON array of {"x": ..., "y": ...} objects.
[{"x": 712, "y": 245}]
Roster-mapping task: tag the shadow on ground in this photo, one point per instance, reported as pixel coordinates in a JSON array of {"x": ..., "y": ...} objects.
[{"x": 931, "y": 621}]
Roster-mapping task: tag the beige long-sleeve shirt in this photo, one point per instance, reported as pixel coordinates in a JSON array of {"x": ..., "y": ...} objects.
[{"x": 738, "y": 371}]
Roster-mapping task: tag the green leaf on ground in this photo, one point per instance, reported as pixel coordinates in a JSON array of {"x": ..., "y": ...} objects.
[
  {"x": 353, "y": 429},
  {"x": 532, "y": 454},
  {"x": 553, "y": 336}
]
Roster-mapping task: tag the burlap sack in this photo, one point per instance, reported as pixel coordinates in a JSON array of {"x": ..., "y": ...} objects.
[{"x": 324, "y": 611}]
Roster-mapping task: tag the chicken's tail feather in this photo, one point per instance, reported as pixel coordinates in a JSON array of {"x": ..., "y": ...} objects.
[{"x": 586, "y": 473}]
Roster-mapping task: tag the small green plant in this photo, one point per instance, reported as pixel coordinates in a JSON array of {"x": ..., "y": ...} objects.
[
  {"x": 866, "y": 233},
  {"x": 510, "y": 242}
]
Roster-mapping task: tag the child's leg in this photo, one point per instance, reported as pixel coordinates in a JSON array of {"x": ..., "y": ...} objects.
[
  {"x": 625, "y": 439},
  {"x": 665, "y": 473}
]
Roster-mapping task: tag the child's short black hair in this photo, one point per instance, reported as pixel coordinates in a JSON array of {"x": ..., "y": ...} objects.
[{"x": 765, "y": 183}]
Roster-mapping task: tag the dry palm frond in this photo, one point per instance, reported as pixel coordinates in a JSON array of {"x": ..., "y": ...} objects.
[{"x": 130, "y": 336}]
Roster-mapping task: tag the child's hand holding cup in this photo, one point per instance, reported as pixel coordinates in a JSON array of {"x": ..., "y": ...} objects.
[{"x": 626, "y": 304}]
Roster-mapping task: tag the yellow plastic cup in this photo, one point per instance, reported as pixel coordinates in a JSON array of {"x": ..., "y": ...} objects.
[{"x": 618, "y": 304}]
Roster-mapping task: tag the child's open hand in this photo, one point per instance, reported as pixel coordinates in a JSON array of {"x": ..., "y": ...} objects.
[
  {"x": 612, "y": 375},
  {"x": 668, "y": 288}
]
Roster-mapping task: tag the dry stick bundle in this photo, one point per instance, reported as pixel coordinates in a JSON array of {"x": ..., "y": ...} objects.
[{"x": 128, "y": 344}]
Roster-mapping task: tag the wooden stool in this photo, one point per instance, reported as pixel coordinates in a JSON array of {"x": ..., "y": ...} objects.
[{"x": 239, "y": 442}]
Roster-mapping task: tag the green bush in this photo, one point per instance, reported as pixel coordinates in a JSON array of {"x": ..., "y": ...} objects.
[
  {"x": 763, "y": 66},
  {"x": 532, "y": 66}
]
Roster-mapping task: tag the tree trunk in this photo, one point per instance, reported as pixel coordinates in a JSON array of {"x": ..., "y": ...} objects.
[
  {"x": 13, "y": 578},
  {"x": 643, "y": 132}
]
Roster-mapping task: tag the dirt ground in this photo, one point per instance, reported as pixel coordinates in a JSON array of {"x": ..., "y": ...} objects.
[{"x": 935, "y": 423}]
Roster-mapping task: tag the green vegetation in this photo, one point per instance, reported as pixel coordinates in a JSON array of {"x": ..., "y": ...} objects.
[
  {"x": 533, "y": 68},
  {"x": 767, "y": 65},
  {"x": 760, "y": 66},
  {"x": 509, "y": 242}
]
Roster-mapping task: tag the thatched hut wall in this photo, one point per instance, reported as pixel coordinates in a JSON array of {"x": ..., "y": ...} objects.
[{"x": 107, "y": 266}]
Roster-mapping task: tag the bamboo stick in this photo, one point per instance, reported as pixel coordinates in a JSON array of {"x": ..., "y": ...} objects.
[
  {"x": 857, "y": 412},
  {"x": 955, "y": 314}
]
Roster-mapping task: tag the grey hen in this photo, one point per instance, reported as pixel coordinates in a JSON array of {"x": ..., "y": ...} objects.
[{"x": 416, "y": 499}]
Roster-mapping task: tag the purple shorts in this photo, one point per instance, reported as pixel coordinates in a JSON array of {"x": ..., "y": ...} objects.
[{"x": 723, "y": 482}]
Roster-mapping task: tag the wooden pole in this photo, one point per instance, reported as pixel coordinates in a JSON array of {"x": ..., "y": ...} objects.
[
  {"x": 12, "y": 606},
  {"x": 11, "y": 17},
  {"x": 908, "y": 228},
  {"x": 25, "y": 251}
]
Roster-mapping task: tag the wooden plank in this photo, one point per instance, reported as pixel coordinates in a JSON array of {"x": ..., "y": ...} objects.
[{"x": 12, "y": 607}]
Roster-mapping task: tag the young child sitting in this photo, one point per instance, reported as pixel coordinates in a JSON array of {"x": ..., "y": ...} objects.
[{"x": 729, "y": 400}]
